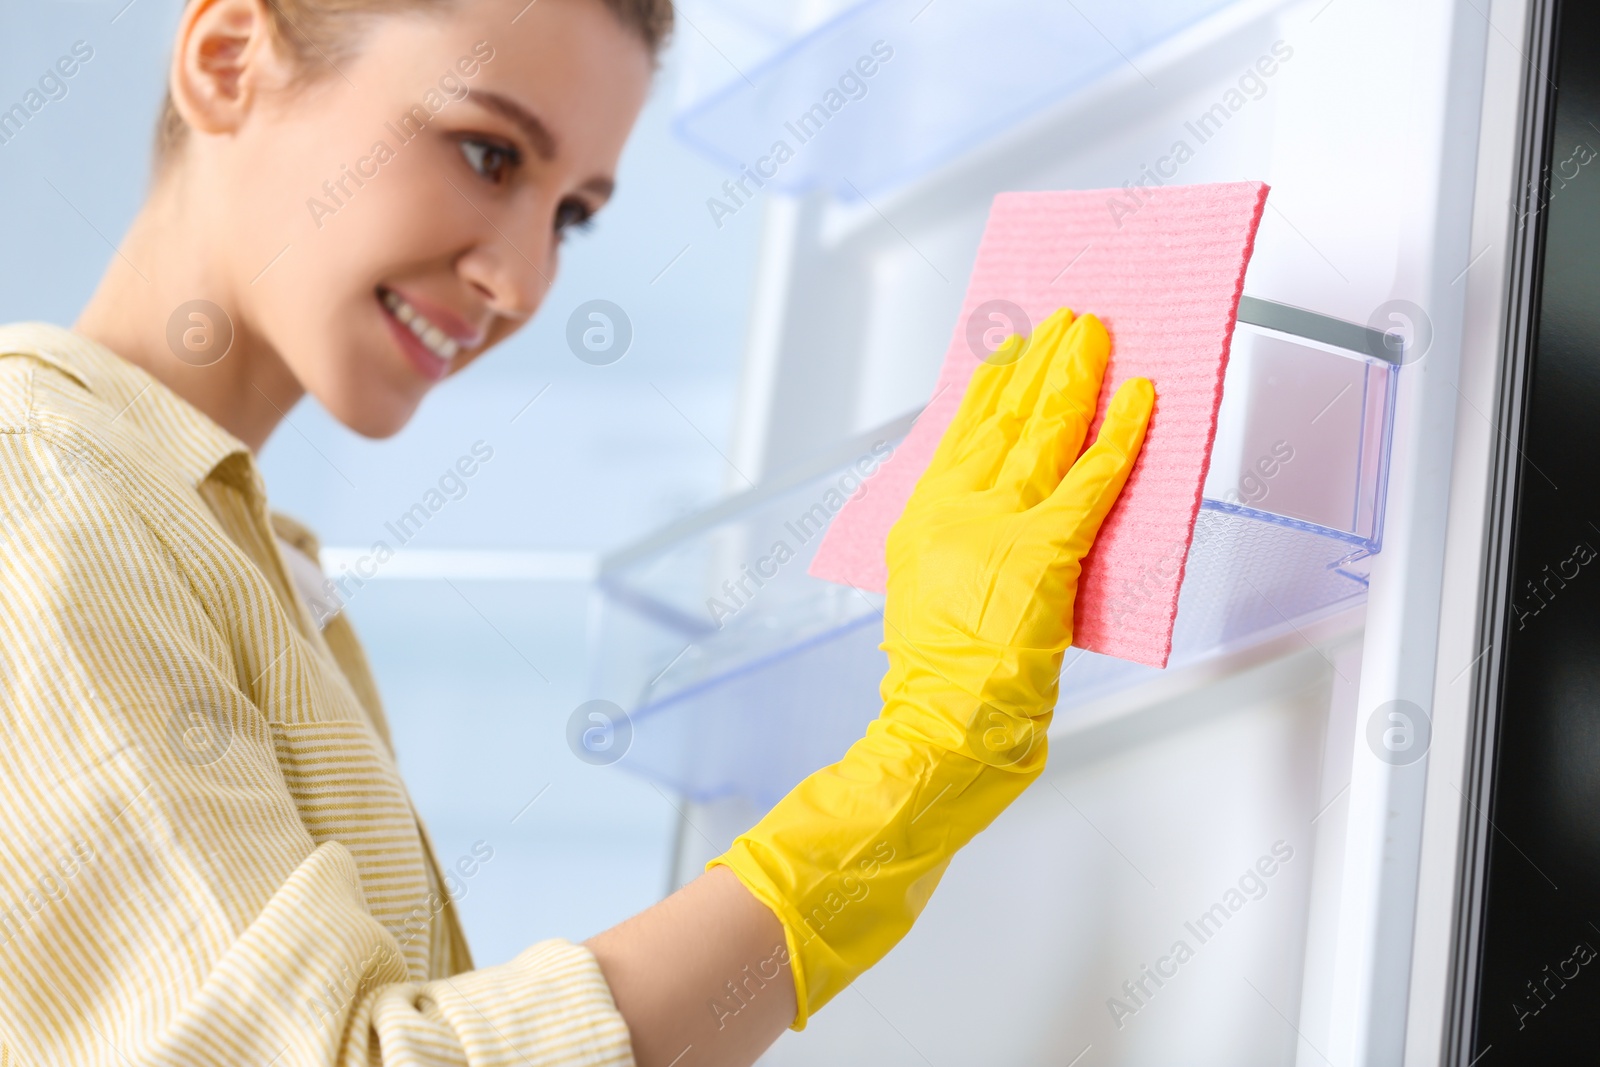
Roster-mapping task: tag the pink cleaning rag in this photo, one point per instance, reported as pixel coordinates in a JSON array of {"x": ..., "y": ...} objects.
[{"x": 1163, "y": 269}]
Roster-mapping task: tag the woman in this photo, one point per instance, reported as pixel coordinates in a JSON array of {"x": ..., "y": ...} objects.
[{"x": 209, "y": 857}]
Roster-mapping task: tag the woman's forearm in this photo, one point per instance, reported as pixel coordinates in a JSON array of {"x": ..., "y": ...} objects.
[{"x": 702, "y": 978}]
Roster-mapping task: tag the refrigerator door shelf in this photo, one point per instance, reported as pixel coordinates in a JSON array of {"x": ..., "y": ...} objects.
[{"x": 741, "y": 673}]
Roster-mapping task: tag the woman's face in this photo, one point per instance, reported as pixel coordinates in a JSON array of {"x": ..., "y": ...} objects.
[{"x": 391, "y": 222}]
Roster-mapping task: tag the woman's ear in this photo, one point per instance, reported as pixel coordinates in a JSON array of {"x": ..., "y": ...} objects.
[{"x": 226, "y": 55}]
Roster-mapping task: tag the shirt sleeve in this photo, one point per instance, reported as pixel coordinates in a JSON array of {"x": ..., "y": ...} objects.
[{"x": 161, "y": 901}]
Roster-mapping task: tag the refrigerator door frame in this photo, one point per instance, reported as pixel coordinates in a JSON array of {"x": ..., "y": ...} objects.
[
  {"x": 1369, "y": 1003},
  {"x": 1535, "y": 134},
  {"x": 1501, "y": 285}
]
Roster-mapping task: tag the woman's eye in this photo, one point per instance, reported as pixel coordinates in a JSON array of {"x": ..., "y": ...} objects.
[
  {"x": 493, "y": 162},
  {"x": 573, "y": 215}
]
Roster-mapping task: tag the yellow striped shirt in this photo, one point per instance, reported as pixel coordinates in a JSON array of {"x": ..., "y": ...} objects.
[{"x": 207, "y": 855}]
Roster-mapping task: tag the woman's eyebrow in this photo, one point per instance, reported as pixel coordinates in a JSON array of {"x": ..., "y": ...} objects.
[
  {"x": 538, "y": 134},
  {"x": 532, "y": 126}
]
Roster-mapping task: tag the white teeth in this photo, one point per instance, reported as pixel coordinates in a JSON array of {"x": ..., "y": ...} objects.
[{"x": 438, "y": 342}]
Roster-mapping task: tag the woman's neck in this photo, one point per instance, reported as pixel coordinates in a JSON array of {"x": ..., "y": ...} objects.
[{"x": 163, "y": 264}]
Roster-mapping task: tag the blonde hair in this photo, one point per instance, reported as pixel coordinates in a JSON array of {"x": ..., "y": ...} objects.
[{"x": 328, "y": 31}]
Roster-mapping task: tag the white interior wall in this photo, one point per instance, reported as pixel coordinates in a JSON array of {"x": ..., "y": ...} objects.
[{"x": 1139, "y": 825}]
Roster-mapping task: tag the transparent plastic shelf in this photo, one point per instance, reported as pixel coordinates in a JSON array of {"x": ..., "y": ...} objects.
[
  {"x": 865, "y": 101},
  {"x": 741, "y": 673}
]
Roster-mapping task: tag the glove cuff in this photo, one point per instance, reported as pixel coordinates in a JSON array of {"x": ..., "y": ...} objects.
[{"x": 850, "y": 857}]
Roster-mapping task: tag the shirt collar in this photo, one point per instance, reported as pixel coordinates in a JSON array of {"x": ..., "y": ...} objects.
[{"x": 194, "y": 443}]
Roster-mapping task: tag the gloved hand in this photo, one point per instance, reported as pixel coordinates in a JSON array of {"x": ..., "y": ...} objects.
[{"x": 983, "y": 571}]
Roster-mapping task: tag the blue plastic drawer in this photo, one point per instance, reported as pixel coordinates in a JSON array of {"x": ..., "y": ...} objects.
[{"x": 867, "y": 100}]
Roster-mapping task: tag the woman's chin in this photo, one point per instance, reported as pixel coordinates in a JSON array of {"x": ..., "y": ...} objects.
[{"x": 373, "y": 415}]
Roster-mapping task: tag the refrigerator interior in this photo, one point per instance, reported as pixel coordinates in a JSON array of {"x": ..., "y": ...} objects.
[{"x": 1075, "y": 930}]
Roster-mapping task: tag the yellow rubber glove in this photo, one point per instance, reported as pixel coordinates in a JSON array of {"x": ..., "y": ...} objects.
[{"x": 983, "y": 570}]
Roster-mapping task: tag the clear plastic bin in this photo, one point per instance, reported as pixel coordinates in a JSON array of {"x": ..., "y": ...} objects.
[
  {"x": 742, "y": 674},
  {"x": 866, "y": 101}
]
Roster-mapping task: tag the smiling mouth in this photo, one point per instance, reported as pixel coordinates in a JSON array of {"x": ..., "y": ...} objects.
[{"x": 434, "y": 339}]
